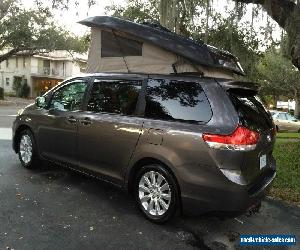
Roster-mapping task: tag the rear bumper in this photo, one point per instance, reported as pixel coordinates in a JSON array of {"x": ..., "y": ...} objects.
[{"x": 229, "y": 197}]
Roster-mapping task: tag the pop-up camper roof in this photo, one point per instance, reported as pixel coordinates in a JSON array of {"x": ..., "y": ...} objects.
[{"x": 119, "y": 45}]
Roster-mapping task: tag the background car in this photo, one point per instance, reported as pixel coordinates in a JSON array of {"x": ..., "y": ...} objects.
[{"x": 285, "y": 121}]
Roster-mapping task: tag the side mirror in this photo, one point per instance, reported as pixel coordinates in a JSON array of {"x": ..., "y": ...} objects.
[{"x": 40, "y": 102}]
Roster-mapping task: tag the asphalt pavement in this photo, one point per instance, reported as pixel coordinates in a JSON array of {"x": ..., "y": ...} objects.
[{"x": 54, "y": 208}]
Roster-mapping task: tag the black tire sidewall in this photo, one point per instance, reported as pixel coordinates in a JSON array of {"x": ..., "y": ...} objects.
[
  {"x": 174, "y": 193},
  {"x": 34, "y": 159}
]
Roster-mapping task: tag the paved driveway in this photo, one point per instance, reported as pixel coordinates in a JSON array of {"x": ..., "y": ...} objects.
[{"x": 53, "y": 208}]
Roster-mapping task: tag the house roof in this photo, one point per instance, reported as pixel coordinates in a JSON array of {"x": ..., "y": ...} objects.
[
  {"x": 195, "y": 52},
  {"x": 58, "y": 55}
]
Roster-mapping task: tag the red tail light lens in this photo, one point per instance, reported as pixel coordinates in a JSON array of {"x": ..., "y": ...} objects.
[{"x": 241, "y": 139}]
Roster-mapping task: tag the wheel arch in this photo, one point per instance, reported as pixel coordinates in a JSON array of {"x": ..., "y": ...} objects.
[{"x": 147, "y": 161}]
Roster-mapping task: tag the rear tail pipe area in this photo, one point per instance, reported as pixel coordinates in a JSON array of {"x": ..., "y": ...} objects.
[{"x": 254, "y": 209}]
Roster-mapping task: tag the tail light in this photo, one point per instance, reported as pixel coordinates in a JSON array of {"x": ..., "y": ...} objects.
[{"x": 242, "y": 139}]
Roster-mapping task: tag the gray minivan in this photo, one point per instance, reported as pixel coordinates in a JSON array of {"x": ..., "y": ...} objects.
[{"x": 175, "y": 142}]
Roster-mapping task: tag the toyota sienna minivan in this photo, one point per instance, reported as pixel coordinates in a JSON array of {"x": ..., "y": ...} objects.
[{"x": 175, "y": 142}]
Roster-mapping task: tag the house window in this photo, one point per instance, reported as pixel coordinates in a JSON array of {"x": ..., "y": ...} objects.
[
  {"x": 64, "y": 68},
  {"x": 7, "y": 81},
  {"x": 46, "y": 64},
  {"x": 7, "y": 63},
  {"x": 17, "y": 62},
  {"x": 24, "y": 62},
  {"x": 113, "y": 45}
]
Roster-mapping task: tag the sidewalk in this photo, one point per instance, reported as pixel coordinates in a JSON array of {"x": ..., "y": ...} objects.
[{"x": 15, "y": 101}]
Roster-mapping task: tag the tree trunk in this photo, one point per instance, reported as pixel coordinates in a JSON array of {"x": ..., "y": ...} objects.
[
  {"x": 207, "y": 19},
  {"x": 163, "y": 12}
]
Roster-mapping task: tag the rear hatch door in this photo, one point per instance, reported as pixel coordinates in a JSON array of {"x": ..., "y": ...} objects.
[{"x": 253, "y": 115}]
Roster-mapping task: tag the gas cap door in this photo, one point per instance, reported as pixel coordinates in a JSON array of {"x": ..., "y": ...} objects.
[{"x": 155, "y": 136}]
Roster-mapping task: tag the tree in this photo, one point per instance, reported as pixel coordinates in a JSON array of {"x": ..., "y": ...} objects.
[
  {"x": 279, "y": 77},
  {"x": 31, "y": 30},
  {"x": 287, "y": 14}
]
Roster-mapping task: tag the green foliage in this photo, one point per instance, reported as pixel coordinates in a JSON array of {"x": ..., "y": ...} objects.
[
  {"x": 25, "y": 90},
  {"x": 278, "y": 75},
  {"x": 289, "y": 135},
  {"x": 21, "y": 87},
  {"x": 287, "y": 181},
  {"x": 1, "y": 93},
  {"x": 17, "y": 85}
]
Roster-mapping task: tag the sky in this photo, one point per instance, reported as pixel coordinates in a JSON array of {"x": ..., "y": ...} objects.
[{"x": 69, "y": 18}]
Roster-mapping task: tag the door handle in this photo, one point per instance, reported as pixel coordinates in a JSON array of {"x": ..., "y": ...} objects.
[
  {"x": 72, "y": 119},
  {"x": 86, "y": 121}
]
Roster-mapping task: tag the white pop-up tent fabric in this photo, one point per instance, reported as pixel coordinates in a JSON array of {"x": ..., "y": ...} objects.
[
  {"x": 153, "y": 60},
  {"x": 118, "y": 45}
]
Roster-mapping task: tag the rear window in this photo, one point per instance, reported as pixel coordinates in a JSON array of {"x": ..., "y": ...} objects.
[
  {"x": 177, "y": 101},
  {"x": 251, "y": 111}
]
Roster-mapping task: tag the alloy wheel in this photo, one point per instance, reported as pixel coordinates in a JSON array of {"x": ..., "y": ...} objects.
[
  {"x": 25, "y": 148},
  {"x": 154, "y": 193}
]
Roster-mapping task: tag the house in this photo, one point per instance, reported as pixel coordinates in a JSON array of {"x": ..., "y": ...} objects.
[
  {"x": 42, "y": 71},
  {"x": 119, "y": 45},
  {"x": 289, "y": 105}
]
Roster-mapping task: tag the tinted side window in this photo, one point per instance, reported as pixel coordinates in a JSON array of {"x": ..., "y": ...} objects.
[
  {"x": 69, "y": 97},
  {"x": 177, "y": 100},
  {"x": 119, "y": 97}
]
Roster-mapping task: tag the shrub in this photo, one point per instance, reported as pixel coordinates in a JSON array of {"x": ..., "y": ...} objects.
[
  {"x": 25, "y": 90},
  {"x": 17, "y": 85},
  {"x": 1, "y": 93}
]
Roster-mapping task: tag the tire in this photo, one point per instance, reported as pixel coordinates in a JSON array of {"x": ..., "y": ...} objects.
[
  {"x": 158, "y": 202},
  {"x": 27, "y": 150}
]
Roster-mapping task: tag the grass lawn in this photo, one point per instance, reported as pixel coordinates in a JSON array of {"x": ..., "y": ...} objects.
[
  {"x": 288, "y": 135},
  {"x": 287, "y": 182}
]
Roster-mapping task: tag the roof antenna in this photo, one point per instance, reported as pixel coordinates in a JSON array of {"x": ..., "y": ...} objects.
[{"x": 120, "y": 47}]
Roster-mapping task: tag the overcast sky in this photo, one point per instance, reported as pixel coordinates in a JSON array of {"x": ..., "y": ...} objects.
[{"x": 69, "y": 18}]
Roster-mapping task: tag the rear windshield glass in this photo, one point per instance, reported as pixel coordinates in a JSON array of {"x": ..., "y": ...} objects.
[
  {"x": 251, "y": 111},
  {"x": 178, "y": 101}
]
